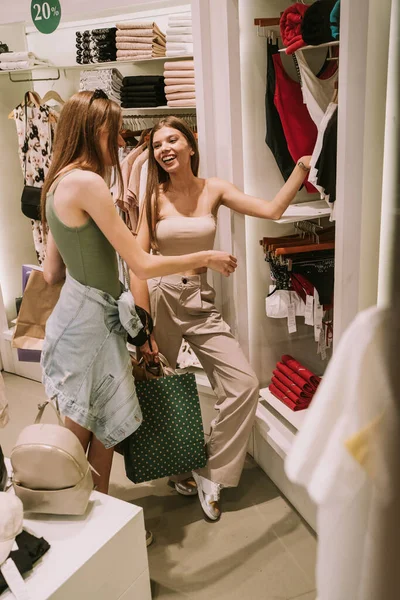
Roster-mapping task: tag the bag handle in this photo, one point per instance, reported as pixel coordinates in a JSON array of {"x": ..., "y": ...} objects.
[
  {"x": 42, "y": 408},
  {"x": 164, "y": 367}
]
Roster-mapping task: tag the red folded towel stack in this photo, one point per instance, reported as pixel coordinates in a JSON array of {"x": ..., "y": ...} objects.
[
  {"x": 290, "y": 26},
  {"x": 293, "y": 384}
]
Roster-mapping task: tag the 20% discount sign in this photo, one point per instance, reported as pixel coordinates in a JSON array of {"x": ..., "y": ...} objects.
[{"x": 46, "y": 15}]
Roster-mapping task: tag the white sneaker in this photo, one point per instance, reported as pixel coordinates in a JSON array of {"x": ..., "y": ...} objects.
[{"x": 209, "y": 494}]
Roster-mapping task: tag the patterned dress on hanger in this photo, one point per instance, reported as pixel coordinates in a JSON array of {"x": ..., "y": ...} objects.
[{"x": 34, "y": 149}]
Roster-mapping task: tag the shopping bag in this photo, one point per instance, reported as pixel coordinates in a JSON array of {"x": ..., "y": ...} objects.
[
  {"x": 170, "y": 439},
  {"x": 38, "y": 302},
  {"x": 143, "y": 372}
]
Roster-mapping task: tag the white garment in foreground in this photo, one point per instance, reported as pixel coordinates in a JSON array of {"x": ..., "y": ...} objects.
[{"x": 354, "y": 392}]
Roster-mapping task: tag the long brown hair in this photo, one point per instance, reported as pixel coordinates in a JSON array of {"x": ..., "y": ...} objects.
[
  {"x": 83, "y": 117},
  {"x": 157, "y": 175}
]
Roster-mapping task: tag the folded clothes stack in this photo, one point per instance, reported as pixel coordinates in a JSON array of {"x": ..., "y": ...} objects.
[
  {"x": 293, "y": 384},
  {"x": 13, "y": 61},
  {"x": 96, "y": 46},
  {"x": 179, "y": 83},
  {"x": 143, "y": 91},
  {"x": 179, "y": 35},
  {"x": 139, "y": 40},
  {"x": 108, "y": 80}
]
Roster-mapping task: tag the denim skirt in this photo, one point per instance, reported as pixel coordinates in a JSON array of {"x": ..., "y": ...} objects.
[{"x": 86, "y": 364}]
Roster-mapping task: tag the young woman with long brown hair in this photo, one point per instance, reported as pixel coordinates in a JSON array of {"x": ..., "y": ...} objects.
[
  {"x": 179, "y": 216},
  {"x": 86, "y": 365}
]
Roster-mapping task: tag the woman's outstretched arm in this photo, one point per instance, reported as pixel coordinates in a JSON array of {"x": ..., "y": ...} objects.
[{"x": 240, "y": 202}]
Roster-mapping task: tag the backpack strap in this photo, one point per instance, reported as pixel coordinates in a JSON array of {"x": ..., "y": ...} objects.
[{"x": 42, "y": 408}]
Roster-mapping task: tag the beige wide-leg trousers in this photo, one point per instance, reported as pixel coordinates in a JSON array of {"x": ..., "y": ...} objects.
[{"x": 183, "y": 307}]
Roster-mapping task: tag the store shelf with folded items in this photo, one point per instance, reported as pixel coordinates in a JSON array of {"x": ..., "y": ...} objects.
[
  {"x": 293, "y": 384},
  {"x": 139, "y": 40},
  {"x": 179, "y": 35},
  {"x": 302, "y": 274},
  {"x": 96, "y": 46},
  {"x": 19, "y": 61},
  {"x": 304, "y": 26},
  {"x": 143, "y": 91},
  {"x": 180, "y": 88}
]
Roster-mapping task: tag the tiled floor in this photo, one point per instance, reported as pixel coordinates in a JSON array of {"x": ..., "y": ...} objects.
[{"x": 259, "y": 550}]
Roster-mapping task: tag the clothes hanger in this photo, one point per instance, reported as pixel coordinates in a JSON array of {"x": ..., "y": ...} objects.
[
  {"x": 33, "y": 98},
  {"x": 306, "y": 248},
  {"x": 53, "y": 95},
  {"x": 327, "y": 234}
]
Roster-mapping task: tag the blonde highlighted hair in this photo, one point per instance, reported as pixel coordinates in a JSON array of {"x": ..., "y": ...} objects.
[{"x": 77, "y": 141}]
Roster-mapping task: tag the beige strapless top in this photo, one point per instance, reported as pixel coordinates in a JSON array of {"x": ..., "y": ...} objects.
[{"x": 177, "y": 235}]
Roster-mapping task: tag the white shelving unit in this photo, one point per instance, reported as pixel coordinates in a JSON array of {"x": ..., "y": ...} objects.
[
  {"x": 326, "y": 45},
  {"x": 296, "y": 419},
  {"x": 100, "y": 555},
  {"x": 305, "y": 211},
  {"x": 96, "y": 66}
]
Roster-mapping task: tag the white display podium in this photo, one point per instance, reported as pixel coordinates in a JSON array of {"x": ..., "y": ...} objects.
[{"x": 100, "y": 556}]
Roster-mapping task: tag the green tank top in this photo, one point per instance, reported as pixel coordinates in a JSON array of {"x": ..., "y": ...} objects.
[{"x": 86, "y": 252}]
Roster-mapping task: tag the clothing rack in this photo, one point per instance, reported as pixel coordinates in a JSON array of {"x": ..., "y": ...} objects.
[
  {"x": 325, "y": 45},
  {"x": 136, "y": 121},
  {"x": 268, "y": 28},
  {"x": 31, "y": 79}
]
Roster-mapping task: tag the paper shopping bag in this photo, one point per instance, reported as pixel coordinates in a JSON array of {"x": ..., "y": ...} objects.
[
  {"x": 170, "y": 439},
  {"x": 38, "y": 302}
]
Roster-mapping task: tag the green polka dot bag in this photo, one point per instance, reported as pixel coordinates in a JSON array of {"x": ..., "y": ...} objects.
[{"x": 170, "y": 439}]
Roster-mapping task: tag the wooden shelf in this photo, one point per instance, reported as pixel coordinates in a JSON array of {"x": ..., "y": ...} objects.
[
  {"x": 97, "y": 66},
  {"x": 305, "y": 211}
]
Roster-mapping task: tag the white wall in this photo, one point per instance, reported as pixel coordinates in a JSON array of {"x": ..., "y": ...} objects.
[
  {"x": 376, "y": 88},
  {"x": 11, "y": 12},
  {"x": 268, "y": 337},
  {"x": 16, "y": 242}
]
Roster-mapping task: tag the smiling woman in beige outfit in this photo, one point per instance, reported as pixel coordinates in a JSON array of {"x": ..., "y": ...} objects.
[{"x": 180, "y": 216}]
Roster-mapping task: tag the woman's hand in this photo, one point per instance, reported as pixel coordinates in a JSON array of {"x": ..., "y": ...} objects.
[
  {"x": 150, "y": 355},
  {"x": 222, "y": 262}
]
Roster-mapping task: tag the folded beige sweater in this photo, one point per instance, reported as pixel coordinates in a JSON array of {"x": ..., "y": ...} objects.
[
  {"x": 188, "y": 102},
  {"x": 140, "y": 40},
  {"x": 134, "y": 53},
  {"x": 172, "y": 89},
  {"x": 139, "y": 53},
  {"x": 181, "y": 65},
  {"x": 179, "y": 81},
  {"x": 136, "y": 32},
  {"x": 180, "y": 74},
  {"x": 137, "y": 46},
  {"x": 137, "y": 25},
  {"x": 181, "y": 95}
]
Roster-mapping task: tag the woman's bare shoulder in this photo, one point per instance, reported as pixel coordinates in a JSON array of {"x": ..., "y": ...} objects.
[{"x": 81, "y": 181}]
